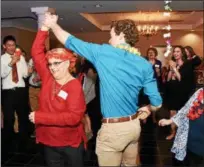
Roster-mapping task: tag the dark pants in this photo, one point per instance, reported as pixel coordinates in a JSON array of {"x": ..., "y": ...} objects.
[
  {"x": 15, "y": 100},
  {"x": 93, "y": 109},
  {"x": 194, "y": 160},
  {"x": 64, "y": 156}
]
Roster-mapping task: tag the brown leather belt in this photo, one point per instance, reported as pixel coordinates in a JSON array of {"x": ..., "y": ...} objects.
[{"x": 121, "y": 119}]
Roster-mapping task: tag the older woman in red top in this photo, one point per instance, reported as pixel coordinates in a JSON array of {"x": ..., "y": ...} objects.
[{"x": 61, "y": 105}]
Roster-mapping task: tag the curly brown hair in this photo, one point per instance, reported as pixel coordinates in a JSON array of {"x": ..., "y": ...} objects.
[
  {"x": 154, "y": 50},
  {"x": 129, "y": 29}
]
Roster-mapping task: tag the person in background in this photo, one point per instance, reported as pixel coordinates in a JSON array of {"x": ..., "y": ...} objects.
[
  {"x": 34, "y": 85},
  {"x": 62, "y": 106},
  {"x": 34, "y": 88},
  {"x": 14, "y": 95},
  {"x": 16, "y": 125},
  {"x": 157, "y": 67},
  {"x": 164, "y": 74},
  {"x": 90, "y": 82},
  {"x": 195, "y": 61},
  {"x": 79, "y": 73},
  {"x": 190, "y": 133},
  {"x": 122, "y": 74},
  {"x": 178, "y": 89}
]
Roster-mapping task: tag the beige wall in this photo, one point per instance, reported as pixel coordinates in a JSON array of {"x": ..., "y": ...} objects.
[{"x": 195, "y": 39}]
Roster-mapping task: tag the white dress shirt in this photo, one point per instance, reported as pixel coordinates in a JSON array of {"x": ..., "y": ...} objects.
[
  {"x": 6, "y": 72},
  {"x": 89, "y": 89},
  {"x": 33, "y": 75}
]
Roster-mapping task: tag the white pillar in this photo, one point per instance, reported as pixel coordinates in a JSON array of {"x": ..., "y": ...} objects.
[{"x": 40, "y": 12}]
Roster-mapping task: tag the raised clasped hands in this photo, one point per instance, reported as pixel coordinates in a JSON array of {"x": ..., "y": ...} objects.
[
  {"x": 50, "y": 20},
  {"x": 32, "y": 117}
]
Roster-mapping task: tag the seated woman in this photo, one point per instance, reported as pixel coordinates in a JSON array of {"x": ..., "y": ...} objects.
[
  {"x": 62, "y": 105},
  {"x": 190, "y": 133}
]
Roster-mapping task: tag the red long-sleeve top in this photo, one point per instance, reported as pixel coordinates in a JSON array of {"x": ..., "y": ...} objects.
[{"x": 58, "y": 120}]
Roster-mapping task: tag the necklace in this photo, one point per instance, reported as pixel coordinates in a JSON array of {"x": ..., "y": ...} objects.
[
  {"x": 55, "y": 90},
  {"x": 129, "y": 49}
]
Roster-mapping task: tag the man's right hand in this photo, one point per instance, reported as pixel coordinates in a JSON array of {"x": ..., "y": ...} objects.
[
  {"x": 144, "y": 112},
  {"x": 14, "y": 59}
]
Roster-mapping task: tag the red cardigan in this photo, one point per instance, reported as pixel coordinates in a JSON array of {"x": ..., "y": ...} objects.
[{"x": 58, "y": 120}]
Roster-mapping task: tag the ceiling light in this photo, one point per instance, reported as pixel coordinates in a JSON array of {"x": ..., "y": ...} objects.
[
  {"x": 167, "y": 14},
  {"x": 98, "y": 6},
  {"x": 147, "y": 30}
]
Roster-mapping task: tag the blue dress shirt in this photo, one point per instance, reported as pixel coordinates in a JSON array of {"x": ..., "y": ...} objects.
[{"x": 122, "y": 75}]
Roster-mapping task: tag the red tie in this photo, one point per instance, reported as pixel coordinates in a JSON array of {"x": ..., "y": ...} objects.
[{"x": 14, "y": 73}]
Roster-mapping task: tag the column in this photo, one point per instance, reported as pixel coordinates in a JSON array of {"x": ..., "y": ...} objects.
[{"x": 40, "y": 12}]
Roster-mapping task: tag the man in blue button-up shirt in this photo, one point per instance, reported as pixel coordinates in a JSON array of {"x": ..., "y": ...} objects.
[{"x": 123, "y": 73}]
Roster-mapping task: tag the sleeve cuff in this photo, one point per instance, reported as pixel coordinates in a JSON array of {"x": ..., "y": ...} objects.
[
  {"x": 68, "y": 41},
  {"x": 39, "y": 117},
  {"x": 43, "y": 31},
  {"x": 175, "y": 120},
  {"x": 156, "y": 102}
]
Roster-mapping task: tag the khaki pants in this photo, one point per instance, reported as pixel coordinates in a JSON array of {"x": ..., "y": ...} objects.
[
  {"x": 33, "y": 97},
  {"x": 117, "y": 143}
]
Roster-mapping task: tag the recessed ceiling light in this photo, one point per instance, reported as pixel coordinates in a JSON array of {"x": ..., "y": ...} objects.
[{"x": 98, "y": 6}]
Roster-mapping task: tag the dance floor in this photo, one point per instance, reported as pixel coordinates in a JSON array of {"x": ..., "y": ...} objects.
[{"x": 154, "y": 150}]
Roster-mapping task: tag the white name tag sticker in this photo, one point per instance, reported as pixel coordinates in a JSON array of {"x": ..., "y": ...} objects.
[
  {"x": 63, "y": 94},
  {"x": 157, "y": 65}
]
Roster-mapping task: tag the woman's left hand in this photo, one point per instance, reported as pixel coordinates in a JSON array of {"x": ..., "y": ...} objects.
[
  {"x": 87, "y": 123},
  {"x": 32, "y": 117}
]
